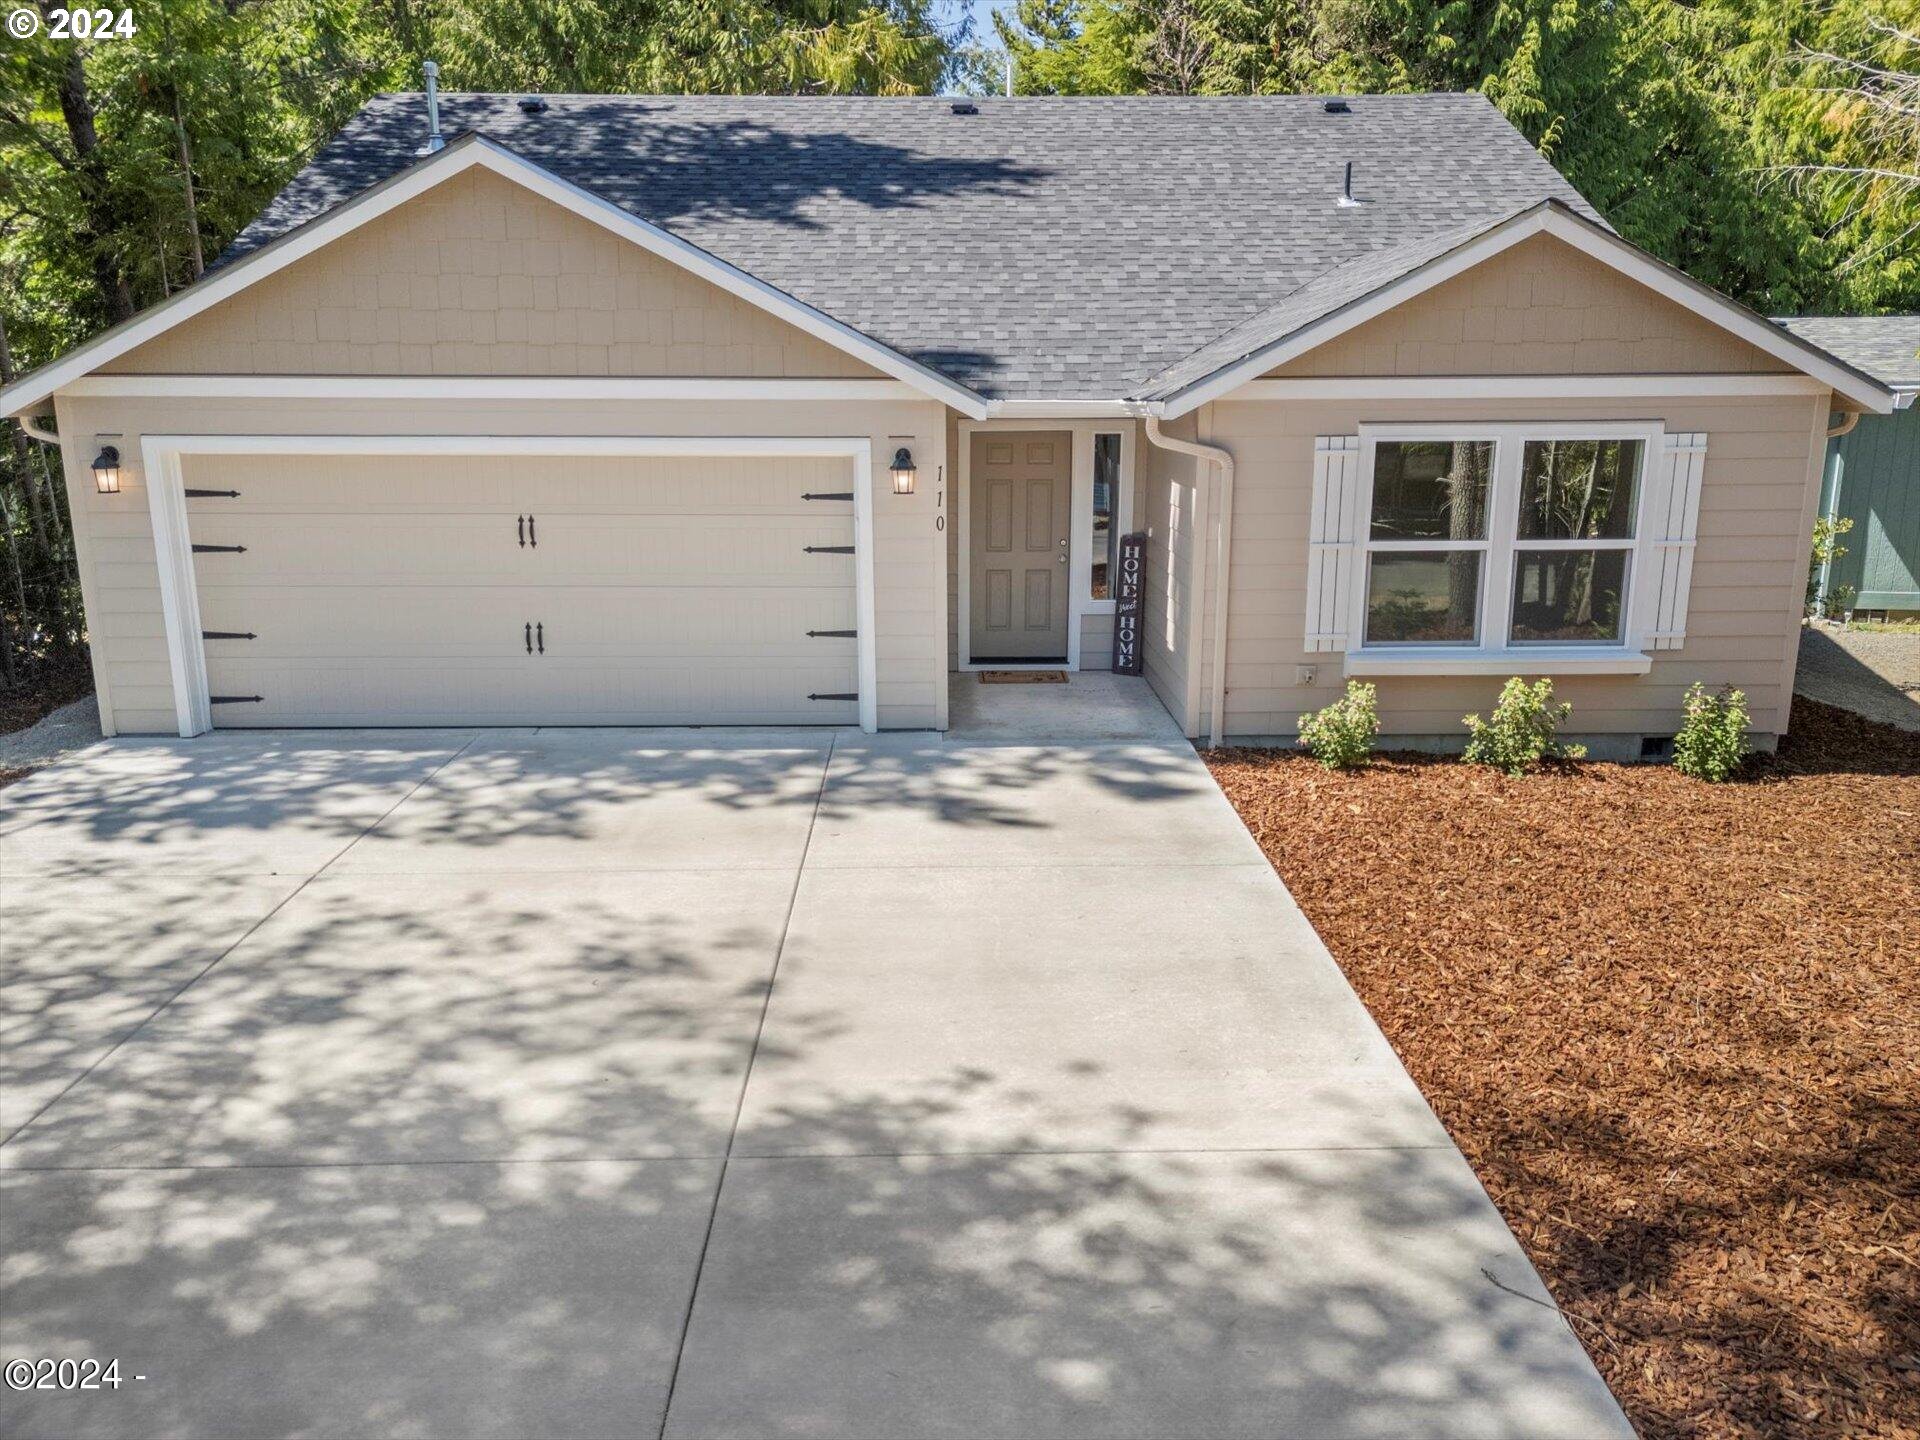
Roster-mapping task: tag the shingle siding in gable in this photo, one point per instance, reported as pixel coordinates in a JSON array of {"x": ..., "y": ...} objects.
[
  {"x": 1541, "y": 308},
  {"x": 478, "y": 277}
]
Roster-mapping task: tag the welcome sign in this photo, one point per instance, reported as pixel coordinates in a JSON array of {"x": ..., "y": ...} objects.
[{"x": 1130, "y": 601}]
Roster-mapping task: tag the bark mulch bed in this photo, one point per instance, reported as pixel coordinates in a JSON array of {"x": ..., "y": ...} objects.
[{"x": 1676, "y": 1029}]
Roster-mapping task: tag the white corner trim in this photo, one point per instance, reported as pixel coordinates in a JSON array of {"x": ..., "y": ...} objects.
[
  {"x": 1590, "y": 239},
  {"x": 179, "y": 597},
  {"x": 179, "y": 593},
  {"x": 1526, "y": 661},
  {"x": 480, "y": 387},
  {"x": 1525, "y": 387},
  {"x": 464, "y": 154}
]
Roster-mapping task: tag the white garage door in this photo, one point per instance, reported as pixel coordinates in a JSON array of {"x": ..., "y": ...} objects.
[{"x": 525, "y": 589}]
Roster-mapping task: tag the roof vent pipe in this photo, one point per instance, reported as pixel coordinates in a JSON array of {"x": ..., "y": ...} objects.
[
  {"x": 435, "y": 141},
  {"x": 1346, "y": 200}
]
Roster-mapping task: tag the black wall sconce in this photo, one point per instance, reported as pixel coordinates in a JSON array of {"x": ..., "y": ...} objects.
[{"x": 902, "y": 471}]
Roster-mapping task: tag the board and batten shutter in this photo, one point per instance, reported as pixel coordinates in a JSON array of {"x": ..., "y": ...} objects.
[
  {"x": 1333, "y": 554},
  {"x": 1673, "y": 519}
]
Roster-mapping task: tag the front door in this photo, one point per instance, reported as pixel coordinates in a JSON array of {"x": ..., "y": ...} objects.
[{"x": 1022, "y": 486}]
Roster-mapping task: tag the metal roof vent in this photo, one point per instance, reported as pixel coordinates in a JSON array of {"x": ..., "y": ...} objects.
[
  {"x": 1346, "y": 200},
  {"x": 1337, "y": 107},
  {"x": 965, "y": 107},
  {"x": 435, "y": 140},
  {"x": 533, "y": 104}
]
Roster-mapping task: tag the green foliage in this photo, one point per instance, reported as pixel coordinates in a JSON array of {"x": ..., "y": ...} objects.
[
  {"x": 1523, "y": 730},
  {"x": 1342, "y": 734},
  {"x": 1713, "y": 735},
  {"x": 1827, "y": 548}
]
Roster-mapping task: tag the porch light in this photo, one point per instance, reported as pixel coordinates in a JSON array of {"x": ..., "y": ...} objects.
[
  {"x": 902, "y": 471},
  {"x": 106, "y": 470}
]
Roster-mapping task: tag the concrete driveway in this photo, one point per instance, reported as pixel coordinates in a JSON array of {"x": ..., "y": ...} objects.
[{"x": 703, "y": 1083}]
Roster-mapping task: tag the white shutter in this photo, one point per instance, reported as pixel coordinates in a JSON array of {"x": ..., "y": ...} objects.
[
  {"x": 1673, "y": 519},
  {"x": 1333, "y": 557}
]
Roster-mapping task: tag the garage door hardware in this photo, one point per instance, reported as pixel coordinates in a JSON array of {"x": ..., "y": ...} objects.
[
  {"x": 832, "y": 634},
  {"x": 528, "y": 535},
  {"x": 234, "y": 699},
  {"x": 828, "y": 549},
  {"x": 536, "y": 637},
  {"x": 219, "y": 549},
  {"x": 827, "y": 495},
  {"x": 228, "y": 635},
  {"x": 193, "y": 494},
  {"x": 833, "y": 697}
]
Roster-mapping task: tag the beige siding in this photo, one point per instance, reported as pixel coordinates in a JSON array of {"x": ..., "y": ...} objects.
[
  {"x": 480, "y": 277},
  {"x": 1758, "y": 489},
  {"x": 1542, "y": 308},
  {"x": 120, "y": 578}
]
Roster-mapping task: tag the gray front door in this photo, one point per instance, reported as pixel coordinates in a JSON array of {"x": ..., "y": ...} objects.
[{"x": 1022, "y": 486}]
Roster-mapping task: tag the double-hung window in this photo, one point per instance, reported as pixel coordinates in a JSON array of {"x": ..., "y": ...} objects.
[{"x": 1486, "y": 540}]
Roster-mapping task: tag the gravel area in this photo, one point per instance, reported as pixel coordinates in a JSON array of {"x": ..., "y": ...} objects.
[
  {"x": 56, "y": 735},
  {"x": 1875, "y": 675},
  {"x": 1674, "y": 1027}
]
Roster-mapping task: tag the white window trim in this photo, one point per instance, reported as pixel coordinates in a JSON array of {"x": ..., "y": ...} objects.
[
  {"x": 165, "y": 484},
  {"x": 1493, "y": 654},
  {"x": 1079, "y": 529}
]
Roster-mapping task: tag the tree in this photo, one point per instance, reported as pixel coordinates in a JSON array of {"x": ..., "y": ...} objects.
[{"x": 1844, "y": 134}]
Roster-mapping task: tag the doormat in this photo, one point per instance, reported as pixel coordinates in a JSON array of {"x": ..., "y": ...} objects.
[{"x": 1023, "y": 677}]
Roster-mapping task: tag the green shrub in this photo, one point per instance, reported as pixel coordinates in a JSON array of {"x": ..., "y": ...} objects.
[
  {"x": 1713, "y": 737},
  {"x": 1521, "y": 733},
  {"x": 1342, "y": 734}
]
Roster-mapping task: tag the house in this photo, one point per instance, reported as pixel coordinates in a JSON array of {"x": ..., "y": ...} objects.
[
  {"x": 651, "y": 409},
  {"x": 1873, "y": 470}
]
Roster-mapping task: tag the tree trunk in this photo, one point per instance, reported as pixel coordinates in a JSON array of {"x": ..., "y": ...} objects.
[
  {"x": 36, "y": 505},
  {"x": 90, "y": 167},
  {"x": 186, "y": 177}
]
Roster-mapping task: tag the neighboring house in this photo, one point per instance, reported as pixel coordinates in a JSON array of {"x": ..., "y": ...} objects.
[
  {"x": 590, "y": 416},
  {"x": 1873, "y": 471}
]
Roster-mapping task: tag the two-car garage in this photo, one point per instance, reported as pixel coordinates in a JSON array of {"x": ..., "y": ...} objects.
[{"x": 517, "y": 583}]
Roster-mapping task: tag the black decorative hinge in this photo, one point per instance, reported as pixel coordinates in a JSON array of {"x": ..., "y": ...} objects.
[
  {"x": 832, "y": 634},
  {"x": 193, "y": 494},
  {"x": 228, "y": 635},
  {"x": 219, "y": 549},
  {"x": 827, "y": 495},
  {"x": 234, "y": 699},
  {"x": 828, "y": 549},
  {"x": 833, "y": 697}
]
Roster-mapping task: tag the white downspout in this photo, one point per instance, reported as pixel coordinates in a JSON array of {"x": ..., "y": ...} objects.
[
  {"x": 32, "y": 427},
  {"x": 1214, "y": 455}
]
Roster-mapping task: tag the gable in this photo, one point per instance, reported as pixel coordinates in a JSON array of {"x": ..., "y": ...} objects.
[
  {"x": 480, "y": 276},
  {"x": 1541, "y": 307}
]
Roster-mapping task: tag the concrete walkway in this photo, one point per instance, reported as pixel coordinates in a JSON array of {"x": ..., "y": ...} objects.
[{"x": 703, "y": 1083}]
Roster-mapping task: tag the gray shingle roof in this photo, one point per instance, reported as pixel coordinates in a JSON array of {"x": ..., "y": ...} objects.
[
  {"x": 1886, "y": 347},
  {"x": 1067, "y": 248}
]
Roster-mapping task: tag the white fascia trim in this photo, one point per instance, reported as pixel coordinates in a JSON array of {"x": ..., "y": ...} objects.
[
  {"x": 1499, "y": 662},
  {"x": 179, "y": 596},
  {"x": 462, "y": 155},
  {"x": 1068, "y": 409},
  {"x": 1589, "y": 239},
  {"x": 481, "y": 387},
  {"x": 1526, "y": 387}
]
